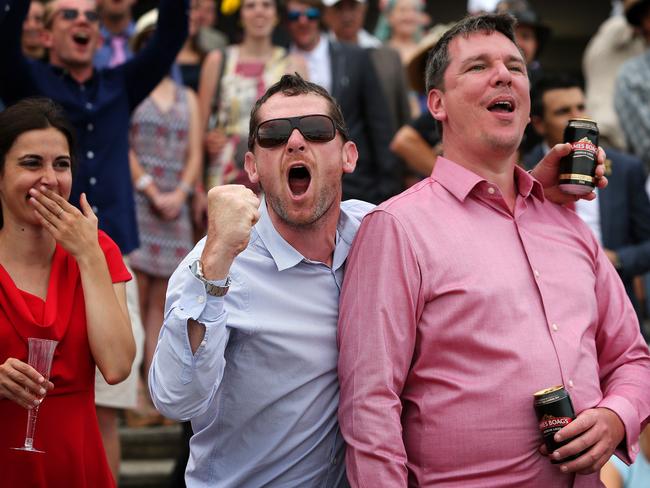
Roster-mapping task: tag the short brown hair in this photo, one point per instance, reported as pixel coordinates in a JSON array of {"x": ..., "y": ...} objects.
[
  {"x": 438, "y": 59},
  {"x": 291, "y": 86}
]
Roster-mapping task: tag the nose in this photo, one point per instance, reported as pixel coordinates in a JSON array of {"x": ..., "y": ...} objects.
[
  {"x": 296, "y": 141},
  {"x": 577, "y": 112},
  {"x": 48, "y": 176},
  {"x": 502, "y": 75}
]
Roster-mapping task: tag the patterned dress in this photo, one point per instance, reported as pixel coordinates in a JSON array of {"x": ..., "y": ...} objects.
[
  {"x": 242, "y": 83},
  {"x": 160, "y": 142}
]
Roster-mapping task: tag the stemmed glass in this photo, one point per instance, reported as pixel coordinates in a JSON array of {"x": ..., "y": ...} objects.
[{"x": 41, "y": 352}]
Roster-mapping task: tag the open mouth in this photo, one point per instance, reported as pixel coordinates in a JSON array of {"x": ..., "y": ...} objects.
[
  {"x": 502, "y": 106},
  {"x": 81, "y": 38},
  {"x": 299, "y": 180}
]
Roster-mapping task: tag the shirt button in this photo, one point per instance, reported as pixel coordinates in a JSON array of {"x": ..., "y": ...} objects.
[
  {"x": 536, "y": 273},
  {"x": 95, "y": 209},
  {"x": 90, "y": 154},
  {"x": 90, "y": 127},
  {"x": 571, "y": 383},
  {"x": 7, "y": 8},
  {"x": 554, "y": 327},
  {"x": 200, "y": 298},
  {"x": 334, "y": 461},
  {"x": 89, "y": 106},
  {"x": 92, "y": 180},
  {"x": 491, "y": 190}
]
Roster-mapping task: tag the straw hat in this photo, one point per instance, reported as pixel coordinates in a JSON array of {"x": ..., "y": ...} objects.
[
  {"x": 145, "y": 25},
  {"x": 416, "y": 63},
  {"x": 634, "y": 9}
]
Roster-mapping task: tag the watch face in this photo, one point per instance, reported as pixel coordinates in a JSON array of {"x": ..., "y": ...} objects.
[{"x": 196, "y": 270}]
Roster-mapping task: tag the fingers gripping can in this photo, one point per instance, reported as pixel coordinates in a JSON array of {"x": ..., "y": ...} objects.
[
  {"x": 578, "y": 169},
  {"x": 554, "y": 410}
]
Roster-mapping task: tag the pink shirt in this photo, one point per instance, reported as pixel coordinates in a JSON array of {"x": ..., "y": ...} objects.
[{"x": 454, "y": 312}]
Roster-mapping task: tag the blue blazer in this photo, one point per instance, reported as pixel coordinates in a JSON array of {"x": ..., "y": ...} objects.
[{"x": 624, "y": 213}]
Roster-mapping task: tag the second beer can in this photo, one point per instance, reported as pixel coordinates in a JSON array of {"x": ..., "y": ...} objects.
[
  {"x": 578, "y": 169},
  {"x": 554, "y": 410}
]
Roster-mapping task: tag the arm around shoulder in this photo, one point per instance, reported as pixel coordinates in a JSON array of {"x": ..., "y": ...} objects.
[{"x": 376, "y": 335}]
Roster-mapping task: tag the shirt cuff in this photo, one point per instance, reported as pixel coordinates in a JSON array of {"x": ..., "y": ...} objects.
[
  {"x": 200, "y": 305},
  {"x": 629, "y": 447}
]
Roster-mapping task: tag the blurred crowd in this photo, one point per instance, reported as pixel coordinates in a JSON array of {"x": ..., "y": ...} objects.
[{"x": 161, "y": 117}]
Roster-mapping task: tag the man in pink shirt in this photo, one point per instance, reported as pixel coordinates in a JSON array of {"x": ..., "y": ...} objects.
[{"x": 469, "y": 292}]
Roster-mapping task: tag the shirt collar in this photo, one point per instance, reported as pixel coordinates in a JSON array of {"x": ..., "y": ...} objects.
[
  {"x": 126, "y": 33},
  {"x": 286, "y": 256},
  {"x": 460, "y": 181}
]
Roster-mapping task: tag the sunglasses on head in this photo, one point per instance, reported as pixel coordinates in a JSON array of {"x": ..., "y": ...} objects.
[
  {"x": 314, "y": 128},
  {"x": 311, "y": 13},
  {"x": 73, "y": 13}
]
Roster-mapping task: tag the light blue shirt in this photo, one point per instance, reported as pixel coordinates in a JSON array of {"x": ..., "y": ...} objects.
[
  {"x": 637, "y": 475},
  {"x": 262, "y": 389}
]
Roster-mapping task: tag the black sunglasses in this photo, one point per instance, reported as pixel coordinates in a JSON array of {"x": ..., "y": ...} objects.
[
  {"x": 72, "y": 13},
  {"x": 312, "y": 13},
  {"x": 314, "y": 128}
]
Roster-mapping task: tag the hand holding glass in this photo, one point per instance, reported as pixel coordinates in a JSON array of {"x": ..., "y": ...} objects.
[{"x": 41, "y": 352}]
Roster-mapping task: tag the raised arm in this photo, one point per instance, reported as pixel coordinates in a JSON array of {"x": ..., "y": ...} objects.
[
  {"x": 148, "y": 67},
  {"x": 189, "y": 362},
  {"x": 16, "y": 81}
]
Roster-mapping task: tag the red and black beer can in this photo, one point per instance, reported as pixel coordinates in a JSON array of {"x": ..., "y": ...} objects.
[
  {"x": 554, "y": 410},
  {"x": 578, "y": 169}
]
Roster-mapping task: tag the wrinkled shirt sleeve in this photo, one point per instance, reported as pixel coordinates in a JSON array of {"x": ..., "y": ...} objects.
[
  {"x": 182, "y": 384},
  {"x": 622, "y": 358},
  {"x": 377, "y": 333}
]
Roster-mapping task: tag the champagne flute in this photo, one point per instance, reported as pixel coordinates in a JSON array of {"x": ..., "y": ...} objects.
[{"x": 41, "y": 352}]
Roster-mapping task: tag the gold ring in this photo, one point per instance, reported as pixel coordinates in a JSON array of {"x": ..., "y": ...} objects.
[{"x": 60, "y": 213}]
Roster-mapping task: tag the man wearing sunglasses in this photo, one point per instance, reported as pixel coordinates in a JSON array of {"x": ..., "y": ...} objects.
[
  {"x": 99, "y": 103},
  {"x": 247, "y": 351},
  {"x": 347, "y": 73}
]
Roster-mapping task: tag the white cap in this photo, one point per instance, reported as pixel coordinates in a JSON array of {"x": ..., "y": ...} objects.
[{"x": 331, "y": 3}]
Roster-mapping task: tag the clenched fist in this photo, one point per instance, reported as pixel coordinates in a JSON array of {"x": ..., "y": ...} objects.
[{"x": 233, "y": 210}]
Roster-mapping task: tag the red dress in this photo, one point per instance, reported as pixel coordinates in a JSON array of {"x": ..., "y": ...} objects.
[{"x": 67, "y": 428}]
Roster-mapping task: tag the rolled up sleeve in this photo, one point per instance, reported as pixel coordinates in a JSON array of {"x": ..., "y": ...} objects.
[{"x": 181, "y": 383}]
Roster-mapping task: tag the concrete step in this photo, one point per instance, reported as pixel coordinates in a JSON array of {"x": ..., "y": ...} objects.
[
  {"x": 149, "y": 455},
  {"x": 146, "y": 473},
  {"x": 158, "y": 442}
]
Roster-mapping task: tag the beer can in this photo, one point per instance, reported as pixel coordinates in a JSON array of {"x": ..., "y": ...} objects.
[
  {"x": 554, "y": 410},
  {"x": 578, "y": 169}
]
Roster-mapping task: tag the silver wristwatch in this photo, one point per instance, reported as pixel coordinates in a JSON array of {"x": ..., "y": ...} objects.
[{"x": 211, "y": 287}]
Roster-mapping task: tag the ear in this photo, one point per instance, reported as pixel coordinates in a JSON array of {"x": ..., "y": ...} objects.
[
  {"x": 436, "y": 104},
  {"x": 538, "y": 124},
  {"x": 250, "y": 165},
  {"x": 349, "y": 156}
]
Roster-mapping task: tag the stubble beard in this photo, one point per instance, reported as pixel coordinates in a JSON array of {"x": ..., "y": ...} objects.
[{"x": 326, "y": 198}]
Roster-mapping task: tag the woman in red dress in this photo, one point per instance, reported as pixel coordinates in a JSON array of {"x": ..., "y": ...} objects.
[{"x": 60, "y": 279}]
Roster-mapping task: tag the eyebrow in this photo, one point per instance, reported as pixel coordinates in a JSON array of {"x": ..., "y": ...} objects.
[{"x": 484, "y": 57}]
